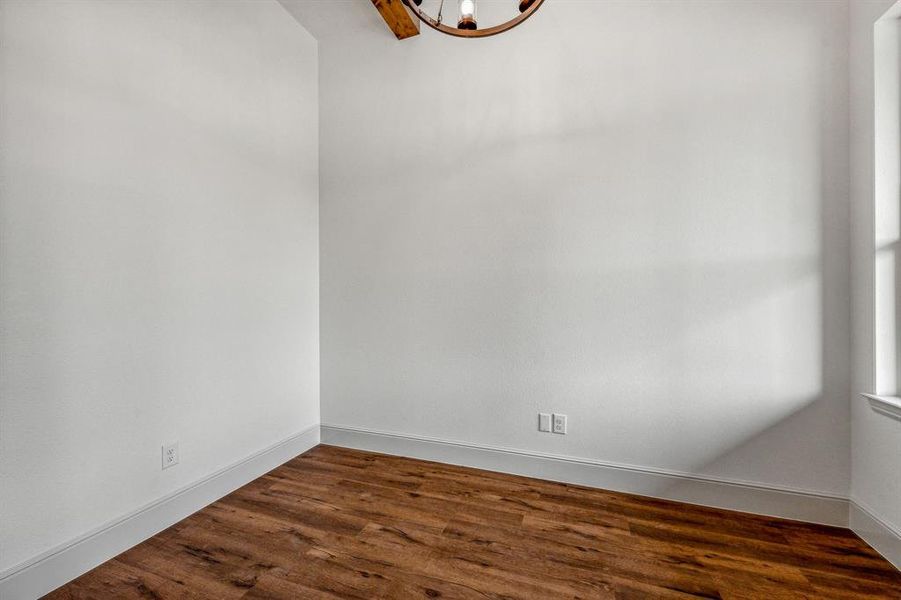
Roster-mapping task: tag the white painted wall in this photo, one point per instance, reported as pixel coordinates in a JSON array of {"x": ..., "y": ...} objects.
[
  {"x": 159, "y": 257},
  {"x": 641, "y": 222},
  {"x": 876, "y": 447}
]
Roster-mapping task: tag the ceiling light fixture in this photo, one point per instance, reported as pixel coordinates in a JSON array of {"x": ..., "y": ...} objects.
[{"x": 467, "y": 22}]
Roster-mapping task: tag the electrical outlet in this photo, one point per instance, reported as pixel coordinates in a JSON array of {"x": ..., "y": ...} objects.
[
  {"x": 559, "y": 423},
  {"x": 544, "y": 422},
  {"x": 170, "y": 455}
]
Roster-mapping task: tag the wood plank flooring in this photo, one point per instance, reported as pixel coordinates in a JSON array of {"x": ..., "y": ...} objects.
[{"x": 339, "y": 523}]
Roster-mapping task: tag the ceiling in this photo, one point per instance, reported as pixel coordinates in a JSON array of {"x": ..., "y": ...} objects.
[{"x": 329, "y": 19}]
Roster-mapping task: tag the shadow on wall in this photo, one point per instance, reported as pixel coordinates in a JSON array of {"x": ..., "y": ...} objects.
[{"x": 832, "y": 400}]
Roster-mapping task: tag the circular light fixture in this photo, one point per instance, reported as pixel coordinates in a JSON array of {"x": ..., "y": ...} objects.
[{"x": 467, "y": 23}]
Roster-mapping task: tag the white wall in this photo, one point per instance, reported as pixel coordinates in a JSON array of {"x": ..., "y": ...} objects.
[
  {"x": 876, "y": 447},
  {"x": 159, "y": 252},
  {"x": 634, "y": 213}
]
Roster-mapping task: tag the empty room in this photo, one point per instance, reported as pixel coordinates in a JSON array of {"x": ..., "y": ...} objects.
[{"x": 458, "y": 299}]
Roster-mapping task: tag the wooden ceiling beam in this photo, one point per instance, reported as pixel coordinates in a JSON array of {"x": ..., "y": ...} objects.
[{"x": 398, "y": 18}]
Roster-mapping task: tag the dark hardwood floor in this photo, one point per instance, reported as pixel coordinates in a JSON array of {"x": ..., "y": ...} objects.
[{"x": 338, "y": 523}]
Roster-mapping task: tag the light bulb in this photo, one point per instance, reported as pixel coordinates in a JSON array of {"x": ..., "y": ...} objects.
[{"x": 467, "y": 15}]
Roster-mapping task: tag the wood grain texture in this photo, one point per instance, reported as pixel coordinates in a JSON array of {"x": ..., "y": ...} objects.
[
  {"x": 340, "y": 523},
  {"x": 398, "y": 18}
]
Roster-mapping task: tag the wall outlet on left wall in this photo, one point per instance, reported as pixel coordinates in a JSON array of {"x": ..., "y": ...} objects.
[{"x": 170, "y": 455}]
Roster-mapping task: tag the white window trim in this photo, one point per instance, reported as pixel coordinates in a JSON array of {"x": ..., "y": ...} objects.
[
  {"x": 887, "y": 207},
  {"x": 889, "y": 406}
]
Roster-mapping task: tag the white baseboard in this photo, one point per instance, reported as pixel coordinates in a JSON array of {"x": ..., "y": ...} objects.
[
  {"x": 54, "y": 568},
  {"x": 801, "y": 505},
  {"x": 883, "y": 537},
  {"x": 48, "y": 571}
]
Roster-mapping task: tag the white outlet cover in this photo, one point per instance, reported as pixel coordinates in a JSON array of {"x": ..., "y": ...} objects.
[
  {"x": 544, "y": 422},
  {"x": 170, "y": 455},
  {"x": 559, "y": 423}
]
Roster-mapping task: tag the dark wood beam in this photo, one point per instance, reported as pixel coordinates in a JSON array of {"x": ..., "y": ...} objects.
[{"x": 398, "y": 18}]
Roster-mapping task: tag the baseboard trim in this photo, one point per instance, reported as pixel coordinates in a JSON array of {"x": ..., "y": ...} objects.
[
  {"x": 46, "y": 572},
  {"x": 881, "y": 536},
  {"x": 788, "y": 503}
]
